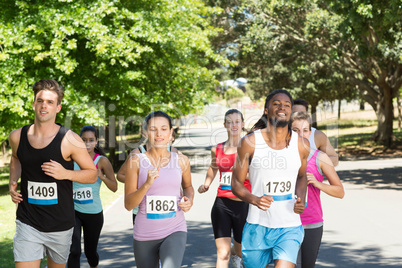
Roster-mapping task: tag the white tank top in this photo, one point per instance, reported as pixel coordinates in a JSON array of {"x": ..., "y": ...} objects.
[
  {"x": 312, "y": 140},
  {"x": 274, "y": 173}
]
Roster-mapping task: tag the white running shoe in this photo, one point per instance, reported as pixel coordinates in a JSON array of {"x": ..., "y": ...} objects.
[{"x": 236, "y": 261}]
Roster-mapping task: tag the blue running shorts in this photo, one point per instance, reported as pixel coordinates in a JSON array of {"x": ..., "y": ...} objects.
[{"x": 262, "y": 245}]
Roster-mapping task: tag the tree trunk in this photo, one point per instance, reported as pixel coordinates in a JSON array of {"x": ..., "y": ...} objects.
[
  {"x": 314, "y": 114},
  {"x": 361, "y": 105},
  {"x": 339, "y": 109},
  {"x": 399, "y": 104},
  {"x": 385, "y": 116}
]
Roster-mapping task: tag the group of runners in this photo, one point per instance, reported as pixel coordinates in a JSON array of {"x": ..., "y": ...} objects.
[{"x": 268, "y": 195}]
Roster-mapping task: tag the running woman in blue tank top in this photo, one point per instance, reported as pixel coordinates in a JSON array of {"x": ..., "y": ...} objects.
[{"x": 87, "y": 203}]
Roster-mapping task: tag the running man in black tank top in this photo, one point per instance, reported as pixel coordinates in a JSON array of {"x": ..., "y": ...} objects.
[{"x": 43, "y": 155}]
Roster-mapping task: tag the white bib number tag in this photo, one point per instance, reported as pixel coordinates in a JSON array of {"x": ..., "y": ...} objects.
[
  {"x": 42, "y": 193},
  {"x": 83, "y": 195},
  {"x": 161, "y": 207},
  {"x": 279, "y": 190},
  {"x": 226, "y": 180}
]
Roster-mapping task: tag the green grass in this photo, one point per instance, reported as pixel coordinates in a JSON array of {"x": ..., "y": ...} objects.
[
  {"x": 355, "y": 138},
  {"x": 8, "y": 210},
  {"x": 7, "y": 225},
  {"x": 344, "y": 124},
  {"x": 108, "y": 197},
  {"x": 352, "y": 132}
]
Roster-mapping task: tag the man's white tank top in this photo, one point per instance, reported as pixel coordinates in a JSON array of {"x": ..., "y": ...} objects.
[
  {"x": 274, "y": 173},
  {"x": 312, "y": 140}
]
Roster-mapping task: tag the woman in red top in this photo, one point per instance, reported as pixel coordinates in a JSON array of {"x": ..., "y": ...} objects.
[{"x": 228, "y": 212}]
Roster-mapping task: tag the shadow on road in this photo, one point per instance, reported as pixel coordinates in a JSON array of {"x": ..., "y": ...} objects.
[
  {"x": 116, "y": 250},
  {"x": 343, "y": 255},
  {"x": 385, "y": 178},
  {"x": 200, "y": 249}
]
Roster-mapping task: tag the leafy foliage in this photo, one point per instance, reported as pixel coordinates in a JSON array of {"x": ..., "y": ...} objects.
[
  {"x": 324, "y": 50},
  {"x": 233, "y": 93},
  {"x": 115, "y": 58}
]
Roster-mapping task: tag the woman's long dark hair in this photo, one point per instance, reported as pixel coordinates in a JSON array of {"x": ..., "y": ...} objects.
[
  {"x": 144, "y": 126},
  {"x": 97, "y": 148},
  {"x": 157, "y": 114}
]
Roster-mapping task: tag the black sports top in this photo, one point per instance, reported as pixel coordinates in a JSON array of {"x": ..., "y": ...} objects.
[{"x": 47, "y": 203}]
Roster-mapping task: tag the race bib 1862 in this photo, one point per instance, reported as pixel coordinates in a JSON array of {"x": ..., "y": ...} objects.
[
  {"x": 226, "y": 181},
  {"x": 161, "y": 207},
  {"x": 42, "y": 193},
  {"x": 83, "y": 195}
]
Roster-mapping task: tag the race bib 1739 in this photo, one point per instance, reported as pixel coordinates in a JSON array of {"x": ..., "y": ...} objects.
[{"x": 279, "y": 190}]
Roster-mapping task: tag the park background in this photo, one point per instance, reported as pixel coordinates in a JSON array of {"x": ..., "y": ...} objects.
[{"x": 119, "y": 60}]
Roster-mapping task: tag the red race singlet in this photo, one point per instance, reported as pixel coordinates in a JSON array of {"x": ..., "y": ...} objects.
[{"x": 225, "y": 164}]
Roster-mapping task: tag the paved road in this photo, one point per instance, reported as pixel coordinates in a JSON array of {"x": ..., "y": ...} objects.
[{"x": 362, "y": 230}]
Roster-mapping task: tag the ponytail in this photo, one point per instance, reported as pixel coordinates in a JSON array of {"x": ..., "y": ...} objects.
[
  {"x": 261, "y": 123},
  {"x": 99, "y": 150}
]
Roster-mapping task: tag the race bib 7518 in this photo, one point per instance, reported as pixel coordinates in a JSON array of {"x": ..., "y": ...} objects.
[{"x": 83, "y": 195}]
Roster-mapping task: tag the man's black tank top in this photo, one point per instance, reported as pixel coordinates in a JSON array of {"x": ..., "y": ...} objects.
[{"x": 47, "y": 203}]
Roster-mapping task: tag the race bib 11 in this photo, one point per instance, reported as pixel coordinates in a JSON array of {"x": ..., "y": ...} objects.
[{"x": 226, "y": 181}]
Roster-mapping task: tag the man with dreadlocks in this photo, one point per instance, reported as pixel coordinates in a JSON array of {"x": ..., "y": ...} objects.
[{"x": 275, "y": 158}]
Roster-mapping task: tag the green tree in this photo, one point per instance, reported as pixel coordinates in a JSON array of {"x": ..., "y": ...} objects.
[
  {"x": 326, "y": 50},
  {"x": 115, "y": 58},
  {"x": 232, "y": 22},
  {"x": 367, "y": 42},
  {"x": 277, "y": 52}
]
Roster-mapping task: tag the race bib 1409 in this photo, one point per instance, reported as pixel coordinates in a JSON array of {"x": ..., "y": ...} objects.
[{"x": 42, "y": 193}]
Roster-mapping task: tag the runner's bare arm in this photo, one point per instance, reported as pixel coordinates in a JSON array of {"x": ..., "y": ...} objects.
[
  {"x": 72, "y": 148},
  {"x": 121, "y": 174},
  {"x": 132, "y": 195},
  {"x": 211, "y": 173},
  {"x": 240, "y": 171},
  {"x": 188, "y": 190},
  {"x": 106, "y": 173},
  {"x": 324, "y": 145},
  {"x": 15, "y": 166},
  {"x": 301, "y": 183},
  {"x": 335, "y": 187}
]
